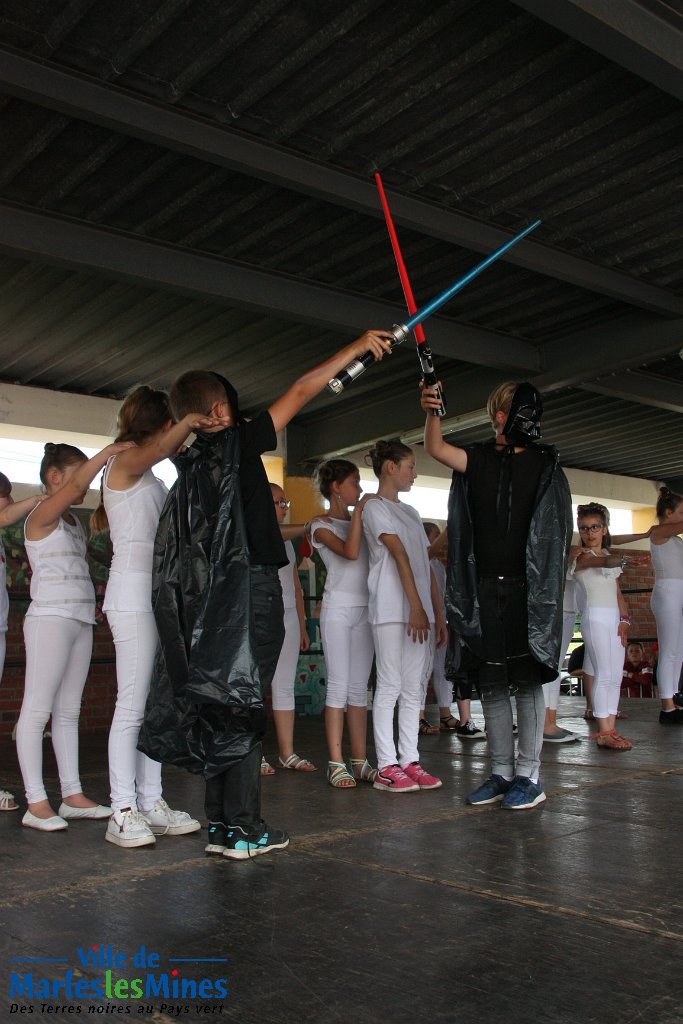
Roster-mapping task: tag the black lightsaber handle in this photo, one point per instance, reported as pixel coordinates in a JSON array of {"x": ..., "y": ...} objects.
[
  {"x": 424, "y": 354},
  {"x": 360, "y": 365}
]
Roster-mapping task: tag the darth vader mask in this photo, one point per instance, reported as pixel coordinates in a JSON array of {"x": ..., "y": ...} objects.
[{"x": 523, "y": 425}]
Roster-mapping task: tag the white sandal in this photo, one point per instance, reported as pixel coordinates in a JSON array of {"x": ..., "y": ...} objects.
[
  {"x": 297, "y": 764},
  {"x": 7, "y": 801}
]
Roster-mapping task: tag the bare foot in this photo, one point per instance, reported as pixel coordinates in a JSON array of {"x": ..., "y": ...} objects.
[
  {"x": 42, "y": 810},
  {"x": 78, "y": 800}
]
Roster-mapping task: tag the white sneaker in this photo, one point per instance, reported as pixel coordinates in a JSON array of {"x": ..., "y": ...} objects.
[
  {"x": 128, "y": 828},
  {"x": 165, "y": 822}
]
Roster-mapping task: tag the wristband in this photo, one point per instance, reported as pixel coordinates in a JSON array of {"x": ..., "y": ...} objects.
[
  {"x": 623, "y": 563},
  {"x": 626, "y": 619}
]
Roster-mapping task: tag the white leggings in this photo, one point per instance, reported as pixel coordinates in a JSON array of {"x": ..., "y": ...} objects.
[
  {"x": 402, "y": 668},
  {"x": 348, "y": 647},
  {"x": 443, "y": 688},
  {"x": 283, "y": 681},
  {"x": 599, "y": 627},
  {"x": 667, "y": 607},
  {"x": 135, "y": 779},
  {"x": 57, "y": 661},
  {"x": 551, "y": 690}
]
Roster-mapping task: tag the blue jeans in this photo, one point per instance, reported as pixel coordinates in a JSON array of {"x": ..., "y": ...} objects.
[{"x": 497, "y": 706}]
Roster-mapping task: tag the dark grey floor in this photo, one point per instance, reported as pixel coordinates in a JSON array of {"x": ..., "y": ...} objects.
[{"x": 384, "y": 908}]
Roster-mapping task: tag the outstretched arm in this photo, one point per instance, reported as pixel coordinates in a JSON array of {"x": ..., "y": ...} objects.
[
  {"x": 46, "y": 515},
  {"x": 312, "y": 383},
  {"x": 18, "y": 509},
  {"x": 132, "y": 463},
  {"x": 446, "y": 454},
  {"x": 349, "y": 548}
]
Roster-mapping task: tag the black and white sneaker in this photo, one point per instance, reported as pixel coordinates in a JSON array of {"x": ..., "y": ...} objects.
[
  {"x": 239, "y": 846},
  {"x": 470, "y": 731},
  {"x": 218, "y": 833}
]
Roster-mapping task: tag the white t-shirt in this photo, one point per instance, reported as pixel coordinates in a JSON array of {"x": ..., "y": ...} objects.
[
  {"x": 287, "y": 577},
  {"x": 388, "y": 602},
  {"x": 346, "y": 585}
]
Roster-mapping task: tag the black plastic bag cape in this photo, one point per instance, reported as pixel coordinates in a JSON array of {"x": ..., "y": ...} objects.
[
  {"x": 205, "y": 705},
  {"x": 549, "y": 540}
]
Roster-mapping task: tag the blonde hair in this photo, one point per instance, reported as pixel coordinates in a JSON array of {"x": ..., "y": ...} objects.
[{"x": 500, "y": 400}]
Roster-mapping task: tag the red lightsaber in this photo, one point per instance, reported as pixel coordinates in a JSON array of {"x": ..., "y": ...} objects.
[{"x": 424, "y": 353}]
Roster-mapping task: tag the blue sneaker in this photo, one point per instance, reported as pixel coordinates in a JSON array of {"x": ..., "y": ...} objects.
[
  {"x": 238, "y": 845},
  {"x": 522, "y": 794},
  {"x": 490, "y": 792}
]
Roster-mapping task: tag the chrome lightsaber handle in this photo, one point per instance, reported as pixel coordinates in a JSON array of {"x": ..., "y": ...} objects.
[
  {"x": 424, "y": 354},
  {"x": 358, "y": 366}
]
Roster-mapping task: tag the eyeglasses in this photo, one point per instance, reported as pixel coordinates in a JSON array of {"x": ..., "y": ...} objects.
[
  {"x": 282, "y": 502},
  {"x": 593, "y": 528}
]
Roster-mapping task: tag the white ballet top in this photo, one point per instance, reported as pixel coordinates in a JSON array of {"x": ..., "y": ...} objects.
[
  {"x": 667, "y": 558},
  {"x": 597, "y": 587},
  {"x": 346, "y": 584},
  {"x": 286, "y": 573},
  {"x": 60, "y": 580},
  {"x": 133, "y": 516},
  {"x": 387, "y": 601},
  {"x": 4, "y": 596}
]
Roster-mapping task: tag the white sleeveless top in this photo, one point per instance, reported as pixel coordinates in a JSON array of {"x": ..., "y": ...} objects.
[
  {"x": 4, "y": 596},
  {"x": 346, "y": 583},
  {"x": 667, "y": 559},
  {"x": 60, "y": 581},
  {"x": 133, "y": 517},
  {"x": 597, "y": 587},
  {"x": 286, "y": 573}
]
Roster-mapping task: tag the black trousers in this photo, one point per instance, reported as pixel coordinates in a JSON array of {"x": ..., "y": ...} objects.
[
  {"x": 234, "y": 796},
  {"x": 506, "y": 658}
]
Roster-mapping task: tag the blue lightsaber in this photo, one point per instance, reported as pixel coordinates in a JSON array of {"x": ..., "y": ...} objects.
[{"x": 401, "y": 331}]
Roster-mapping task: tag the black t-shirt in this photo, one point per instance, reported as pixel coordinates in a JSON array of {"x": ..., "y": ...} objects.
[
  {"x": 502, "y": 493},
  {"x": 266, "y": 546}
]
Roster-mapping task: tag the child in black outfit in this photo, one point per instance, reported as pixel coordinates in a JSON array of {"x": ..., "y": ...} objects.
[{"x": 218, "y": 603}]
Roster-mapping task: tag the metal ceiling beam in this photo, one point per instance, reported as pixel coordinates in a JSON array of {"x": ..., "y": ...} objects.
[
  {"x": 29, "y": 234},
  {"x": 89, "y": 99},
  {"x": 644, "y": 388},
  {"x": 624, "y": 31}
]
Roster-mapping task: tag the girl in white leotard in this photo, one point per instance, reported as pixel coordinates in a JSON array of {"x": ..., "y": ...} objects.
[
  {"x": 132, "y": 499},
  {"x": 346, "y": 633},
  {"x": 666, "y": 549},
  {"x": 58, "y": 636},
  {"x": 604, "y": 621}
]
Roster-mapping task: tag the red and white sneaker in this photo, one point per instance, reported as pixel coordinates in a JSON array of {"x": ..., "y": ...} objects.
[
  {"x": 416, "y": 772},
  {"x": 393, "y": 779}
]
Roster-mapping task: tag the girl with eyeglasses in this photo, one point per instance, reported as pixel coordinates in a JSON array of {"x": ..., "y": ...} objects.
[
  {"x": 296, "y": 639},
  {"x": 604, "y": 619},
  {"x": 344, "y": 625}
]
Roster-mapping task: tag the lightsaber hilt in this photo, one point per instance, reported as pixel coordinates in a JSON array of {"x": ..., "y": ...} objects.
[
  {"x": 424, "y": 354},
  {"x": 360, "y": 365}
]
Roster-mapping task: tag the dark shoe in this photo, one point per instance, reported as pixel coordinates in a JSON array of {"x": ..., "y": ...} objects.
[
  {"x": 674, "y": 717},
  {"x": 469, "y": 731},
  {"x": 523, "y": 794},
  {"x": 678, "y": 700},
  {"x": 493, "y": 790},
  {"x": 562, "y": 736},
  {"x": 217, "y": 838},
  {"x": 238, "y": 845}
]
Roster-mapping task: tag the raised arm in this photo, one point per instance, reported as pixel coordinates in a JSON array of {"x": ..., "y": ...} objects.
[
  {"x": 133, "y": 462},
  {"x": 446, "y": 454},
  {"x": 18, "y": 509},
  {"x": 349, "y": 548},
  {"x": 663, "y": 532},
  {"x": 46, "y": 515},
  {"x": 440, "y": 541},
  {"x": 313, "y": 382}
]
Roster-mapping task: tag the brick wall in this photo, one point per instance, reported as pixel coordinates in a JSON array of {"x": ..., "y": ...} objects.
[{"x": 643, "y": 626}]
